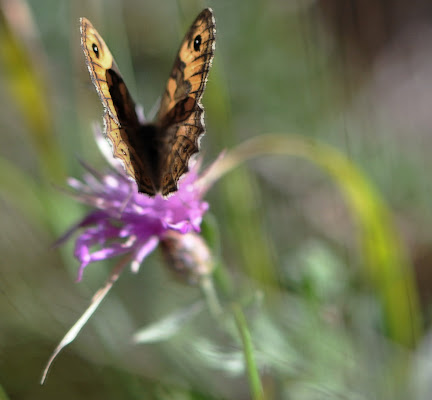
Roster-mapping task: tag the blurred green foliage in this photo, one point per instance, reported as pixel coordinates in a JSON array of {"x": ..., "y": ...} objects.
[{"x": 326, "y": 281}]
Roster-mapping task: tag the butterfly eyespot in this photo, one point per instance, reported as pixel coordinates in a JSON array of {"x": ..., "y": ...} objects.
[
  {"x": 197, "y": 42},
  {"x": 95, "y": 49}
]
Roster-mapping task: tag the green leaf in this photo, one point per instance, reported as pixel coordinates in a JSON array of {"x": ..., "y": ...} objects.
[{"x": 169, "y": 326}]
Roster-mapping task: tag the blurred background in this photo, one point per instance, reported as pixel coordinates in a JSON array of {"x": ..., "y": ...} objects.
[{"x": 327, "y": 316}]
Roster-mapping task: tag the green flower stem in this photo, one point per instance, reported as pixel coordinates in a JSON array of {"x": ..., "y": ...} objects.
[
  {"x": 252, "y": 370},
  {"x": 211, "y": 296},
  {"x": 215, "y": 308}
]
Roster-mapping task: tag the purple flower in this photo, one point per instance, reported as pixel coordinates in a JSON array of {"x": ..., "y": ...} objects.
[
  {"x": 127, "y": 222},
  {"x": 124, "y": 221}
]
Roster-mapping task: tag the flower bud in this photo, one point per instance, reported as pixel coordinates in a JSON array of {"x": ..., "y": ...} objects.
[{"x": 187, "y": 256}]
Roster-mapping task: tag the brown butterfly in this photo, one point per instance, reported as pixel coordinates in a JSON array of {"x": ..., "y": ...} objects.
[{"x": 157, "y": 154}]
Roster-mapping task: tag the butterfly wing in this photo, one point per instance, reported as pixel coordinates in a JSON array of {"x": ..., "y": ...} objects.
[
  {"x": 181, "y": 115},
  {"x": 122, "y": 126}
]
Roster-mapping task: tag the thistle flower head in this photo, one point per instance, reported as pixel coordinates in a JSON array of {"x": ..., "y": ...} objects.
[
  {"x": 187, "y": 256},
  {"x": 124, "y": 221}
]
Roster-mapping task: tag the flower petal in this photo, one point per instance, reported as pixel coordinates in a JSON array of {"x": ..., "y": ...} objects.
[
  {"x": 143, "y": 252},
  {"x": 90, "y": 219}
]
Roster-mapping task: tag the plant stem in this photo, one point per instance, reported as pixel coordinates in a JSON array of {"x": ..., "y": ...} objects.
[
  {"x": 248, "y": 351},
  {"x": 211, "y": 296}
]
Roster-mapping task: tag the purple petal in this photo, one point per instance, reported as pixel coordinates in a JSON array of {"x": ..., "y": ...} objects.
[
  {"x": 90, "y": 219},
  {"x": 80, "y": 271},
  {"x": 143, "y": 252},
  {"x": 182, "y": 226}
]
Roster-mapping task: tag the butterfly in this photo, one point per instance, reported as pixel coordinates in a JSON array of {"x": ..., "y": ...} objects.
[{"x": 156, "y": 155}]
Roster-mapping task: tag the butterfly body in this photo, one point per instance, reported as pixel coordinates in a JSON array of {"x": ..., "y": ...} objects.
[{"x": 156, "y": 155}]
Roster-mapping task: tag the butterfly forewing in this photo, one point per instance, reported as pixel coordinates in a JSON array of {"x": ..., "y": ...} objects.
[
  {"x": 120, "y": 119},
  {"x": 99, "y": 60},
  {"x": 181, "y": 114}
]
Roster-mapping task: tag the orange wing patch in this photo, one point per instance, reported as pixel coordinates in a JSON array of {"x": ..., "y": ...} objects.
[
  {"x": 189, "y": 73},
  {"x": 98, "y": 59}
]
